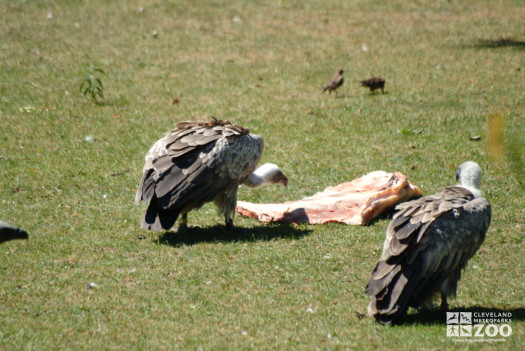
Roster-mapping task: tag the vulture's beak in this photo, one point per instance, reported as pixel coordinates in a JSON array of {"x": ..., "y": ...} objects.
[{"x": 284, "y": 181}]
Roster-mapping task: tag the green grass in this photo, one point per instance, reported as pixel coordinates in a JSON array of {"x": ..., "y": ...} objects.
[{"x": 449, "y": 66}]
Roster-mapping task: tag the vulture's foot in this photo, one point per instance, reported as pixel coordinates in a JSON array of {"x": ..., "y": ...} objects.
[
  {"x": 183, "y": 224},
  {"x": 182, "y": 229},
  {"x": 229, "y": 224},
  {"x": 444, "y": 303}
]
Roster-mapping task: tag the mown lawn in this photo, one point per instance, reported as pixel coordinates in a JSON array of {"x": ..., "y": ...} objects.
[{"x": 69, "y": 167}]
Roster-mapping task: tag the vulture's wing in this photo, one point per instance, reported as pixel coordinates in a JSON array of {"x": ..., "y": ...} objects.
[
  {"x": 197, "y": 161},
  {"x": 428, "y": 242}
]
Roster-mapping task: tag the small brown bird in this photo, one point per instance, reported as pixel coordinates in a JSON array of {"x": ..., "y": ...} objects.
[
  {"x": 374, "y": 84},
  {"x": 334, "y": 83}
]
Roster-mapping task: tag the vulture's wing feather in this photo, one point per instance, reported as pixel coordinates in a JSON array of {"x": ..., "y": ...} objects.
[
  {"x": 428, "y": 241},
  {"x": 450, "y": 241},
  {"x": 147, "y": 186},
  {"x": 194, "y": 164}
]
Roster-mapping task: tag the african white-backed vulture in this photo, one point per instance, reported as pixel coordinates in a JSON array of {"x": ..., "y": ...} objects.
[
  {"x": 199, "y": 162},
  {"x": 427, "y": 245}
]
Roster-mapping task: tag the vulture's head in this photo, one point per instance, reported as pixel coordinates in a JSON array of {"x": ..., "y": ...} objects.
[
  {"x": 341, "y": 72},
  {"x": 270, "y": 173},
  {"x": 469, "y": 175}
]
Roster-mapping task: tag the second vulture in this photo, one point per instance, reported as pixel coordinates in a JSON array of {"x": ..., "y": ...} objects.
[
  {"x": 427, "y": 245},
  {"x": 200, "y": 162}
]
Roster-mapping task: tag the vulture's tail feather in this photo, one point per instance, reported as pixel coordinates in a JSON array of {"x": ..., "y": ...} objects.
[
  {"x": 390, "y": 302},
  {"x": 157, "y": 219}
]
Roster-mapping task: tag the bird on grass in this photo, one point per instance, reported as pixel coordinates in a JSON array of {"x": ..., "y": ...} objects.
[
  {"x": 427, "y": 245},
  {"x": 8, "y": 232},
  {"x": 200, "y": 162},
  {"x": 335, "y": 83},
  {"x": 374, "y": 84}
]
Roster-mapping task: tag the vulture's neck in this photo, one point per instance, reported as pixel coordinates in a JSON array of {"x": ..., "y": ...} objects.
[
  {"x": 470, "y": 180},
  {"x": 475, "y": 191},
  {"x": 262, "y": 176}
]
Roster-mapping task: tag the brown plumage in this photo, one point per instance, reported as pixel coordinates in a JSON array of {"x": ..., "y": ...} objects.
[
  {"x": 334, "y": 83},
  {"x": 374, "y": 84},
  {"x": 199, "y": 162},
  {"x": 427, "y": 245}
]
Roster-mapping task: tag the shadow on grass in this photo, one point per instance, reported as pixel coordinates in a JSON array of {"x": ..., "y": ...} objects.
[
  {"x": 387, "y": 214},
  {"x": 377, "y": 93},
  {"x": 498, "y": 43},
  {"x": 438, "y": 317},
  {"x": 222, "y": 234}
]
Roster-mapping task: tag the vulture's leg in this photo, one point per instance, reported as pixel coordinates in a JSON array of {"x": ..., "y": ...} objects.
[
  {"x": 183, "y": 223},
  {"x": 427, "y": 304},
  {"x": 444, "y": 303},
  {"x": 228, "y": 222}
]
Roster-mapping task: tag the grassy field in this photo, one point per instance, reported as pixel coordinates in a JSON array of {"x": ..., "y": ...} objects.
[{"x": 69, "y": 167}]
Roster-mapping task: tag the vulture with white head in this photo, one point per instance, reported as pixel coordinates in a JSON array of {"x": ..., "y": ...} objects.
[
  {"x": 200, "y": 162},
  {"x": 427, "y": 245}
]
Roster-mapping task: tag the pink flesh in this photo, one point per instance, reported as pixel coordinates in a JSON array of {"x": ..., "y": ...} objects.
[{"x": 356, "y": 202}]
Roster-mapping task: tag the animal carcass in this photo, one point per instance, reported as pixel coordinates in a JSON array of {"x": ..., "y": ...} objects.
[{"x": 356, "y": 202}]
